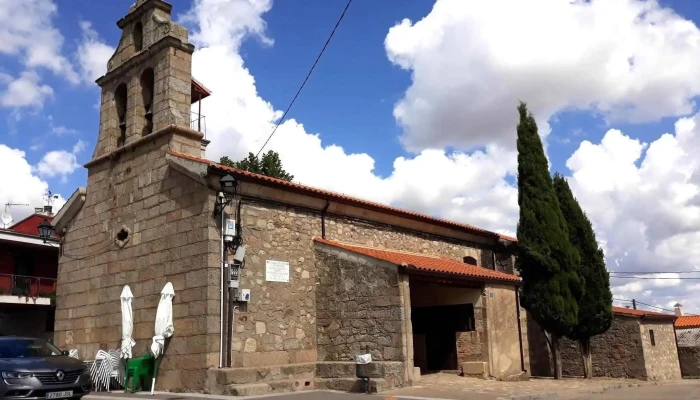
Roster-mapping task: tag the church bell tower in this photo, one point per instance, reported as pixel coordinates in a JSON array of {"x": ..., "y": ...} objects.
[{"x": 148, "y": 88}]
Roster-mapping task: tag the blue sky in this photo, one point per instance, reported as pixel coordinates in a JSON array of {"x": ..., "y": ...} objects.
[
  {"x": 349, "y": 99},
  {"x": 420, "y": 113}
]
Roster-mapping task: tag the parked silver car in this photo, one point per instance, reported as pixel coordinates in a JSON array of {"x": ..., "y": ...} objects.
[{"x": 32, "y": 368}]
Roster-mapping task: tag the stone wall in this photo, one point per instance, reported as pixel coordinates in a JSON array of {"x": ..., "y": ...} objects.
[
  {"x": 172, "y": 238},
  {"x": 284, "y": 233},
  {"x": 278, "y": 326},
  {"x": 661, "y": 358},
  {"x": 470, "y": 347},
  {"x": 502, "y": 331},
  {"x": 617, "y": 353},
  {"x": 386, "y": 237},
  {"x": 540, "y": 362},
  {"x": 359, "y": 308},
  {"x": 690, "y": 361}
]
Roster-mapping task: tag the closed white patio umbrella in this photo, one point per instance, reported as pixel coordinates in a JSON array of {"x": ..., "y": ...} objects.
[
  {"x": 164, "y": 326},
  {"x": 127, "y": 323}
]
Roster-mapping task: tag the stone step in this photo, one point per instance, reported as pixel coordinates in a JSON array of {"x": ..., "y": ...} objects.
[
  {"x": 239, "y": 376},
  {"x": 257, "y": 389},
  {"x": 250, "y": 389},
  {"x": 351, "y": 385},
  {"x": 346, "y": 369}
]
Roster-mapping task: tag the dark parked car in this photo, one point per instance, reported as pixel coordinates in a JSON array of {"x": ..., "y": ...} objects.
[{"x": 33, "y": 368}]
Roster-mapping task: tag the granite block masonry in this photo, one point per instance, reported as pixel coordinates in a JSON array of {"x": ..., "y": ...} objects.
[
  {"x": 149, "y": 215},
  {"x": 638, "y": 345}
]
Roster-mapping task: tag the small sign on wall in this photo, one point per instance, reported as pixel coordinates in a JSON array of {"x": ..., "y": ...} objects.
[{"x": 276, "y": 271}]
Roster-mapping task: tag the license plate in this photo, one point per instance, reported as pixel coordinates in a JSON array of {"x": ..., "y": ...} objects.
[{"x": 60, "y": 395}]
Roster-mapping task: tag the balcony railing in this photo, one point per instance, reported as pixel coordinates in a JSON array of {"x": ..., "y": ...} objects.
[
  {"x": 27, "y": 286},
  {"x": 198, "y": 122}
]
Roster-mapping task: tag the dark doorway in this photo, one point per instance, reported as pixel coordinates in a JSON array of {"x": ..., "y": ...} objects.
[{"x": 435, "y": 329}]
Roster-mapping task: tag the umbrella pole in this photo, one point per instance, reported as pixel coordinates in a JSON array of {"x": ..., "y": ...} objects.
[{"x": 166, "y": 344}]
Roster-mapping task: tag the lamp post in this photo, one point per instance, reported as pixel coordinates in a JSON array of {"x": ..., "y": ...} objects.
[
  {"x": 45, "y": 230},
  {"x": 228, "y": 186}
]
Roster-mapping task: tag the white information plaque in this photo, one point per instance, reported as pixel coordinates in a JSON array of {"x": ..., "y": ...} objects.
[{"x": 276, "y": 271}]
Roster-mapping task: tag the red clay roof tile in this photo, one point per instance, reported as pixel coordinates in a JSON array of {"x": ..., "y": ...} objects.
[
  {"x": 341, "y": 197},
  {"x": 688, "y": 321},
  {"x": 630, "y": 312},
  {"x": 426, "y": 263}
]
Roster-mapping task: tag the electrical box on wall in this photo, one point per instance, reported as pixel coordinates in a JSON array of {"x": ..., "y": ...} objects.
[
  {"x": 229, "y": 230},
  {"x": 242, "y": 295}
]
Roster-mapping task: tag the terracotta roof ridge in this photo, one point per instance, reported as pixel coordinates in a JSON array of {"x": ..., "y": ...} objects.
[
  {"x": 410, "y": 253},
  {"x": 345, "y": 197}
]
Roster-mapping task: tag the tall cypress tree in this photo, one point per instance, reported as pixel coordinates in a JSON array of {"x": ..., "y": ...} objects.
[
  {"x": 546, "y": 259},
  {"x": 595, "y": 307}
]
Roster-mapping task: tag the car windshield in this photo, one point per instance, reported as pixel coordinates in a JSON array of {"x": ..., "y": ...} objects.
[{"x": 26, "y": 348}]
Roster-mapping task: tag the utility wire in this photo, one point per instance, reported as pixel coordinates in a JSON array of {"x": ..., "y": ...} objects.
[
  {"x": 682, "y": 278},
  {"x": 307, "y": 77},
  {"x": 653, "y": 272},
  {"x": 637, "y": 302}
]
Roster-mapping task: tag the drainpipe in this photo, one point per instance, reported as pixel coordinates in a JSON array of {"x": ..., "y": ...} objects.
[
  {"x": 323, "y": 219},
  {"x": 221, "y": 294},
  {"x": 520, "y": 331}
]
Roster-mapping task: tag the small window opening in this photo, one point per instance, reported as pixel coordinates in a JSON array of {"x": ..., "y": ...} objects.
[
  {"x": 651, "y": 337},
  {"x": 469, "y": 260},
  {"x": 120, "y": 100},
  {"x": 122, "y": 235},
  {"x": 147, "y": 81},
  {"x": 138, "y": 36}
]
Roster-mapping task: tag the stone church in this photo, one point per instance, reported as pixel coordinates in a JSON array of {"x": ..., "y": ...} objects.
[{"x": 278, "y": 286}]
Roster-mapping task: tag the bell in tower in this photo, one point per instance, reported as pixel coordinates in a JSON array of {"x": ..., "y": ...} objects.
[{"x": 148, "y": 89}]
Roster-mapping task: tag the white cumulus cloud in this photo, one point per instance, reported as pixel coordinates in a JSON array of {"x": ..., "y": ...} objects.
[
  {"x": 630, "y": 60},
  {"x": 92, "y": 54},
  {"x": 19, "y": 184},
  {"x": 27, "y": 32},
  {"x": 24, "y": 91}
]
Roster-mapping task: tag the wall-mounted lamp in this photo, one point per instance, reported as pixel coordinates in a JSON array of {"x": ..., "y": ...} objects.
[
  {"x": 228, "y": 186},
  {"x": 45, "y": 230}
]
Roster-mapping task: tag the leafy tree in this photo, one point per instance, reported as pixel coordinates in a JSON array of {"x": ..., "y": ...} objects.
[
  {"x": 595, "y": 307},
  {"x": 269, "y": 164},
  {"x": 546, "y": 259}
]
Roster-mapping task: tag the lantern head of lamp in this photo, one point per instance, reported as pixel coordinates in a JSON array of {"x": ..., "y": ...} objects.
[
  {"x": 228, "y": 189},
  {"x": 228, "y": 185},
  {"x": 45, "y": 230}
]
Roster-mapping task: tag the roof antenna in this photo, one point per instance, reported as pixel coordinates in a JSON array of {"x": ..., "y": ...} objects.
[{"x": 6, "y": 218}]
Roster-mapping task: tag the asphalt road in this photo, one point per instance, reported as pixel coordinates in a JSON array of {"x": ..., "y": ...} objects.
[
  {"x": 683, "y": 391},
  {"x": 670, "y": 392}
]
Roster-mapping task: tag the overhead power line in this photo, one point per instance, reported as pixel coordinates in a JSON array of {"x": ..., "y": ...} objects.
[
  {"x": 682, "y": 278},
  {"x": 637, "y": 303},
  {"x": 653, "y": 272},
  {"x": 277, "y": 125}
]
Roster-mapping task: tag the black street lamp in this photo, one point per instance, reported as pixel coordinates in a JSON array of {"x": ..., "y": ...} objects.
[
  {"x": 228, "y": 184},
  {"x": 228, "y": 188},
  {"x": 45, "y": 230}
]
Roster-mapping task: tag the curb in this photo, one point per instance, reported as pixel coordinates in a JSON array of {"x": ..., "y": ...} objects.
[
  {"x": 533, "y": 396},
  {"x": 554, "y": 395}
]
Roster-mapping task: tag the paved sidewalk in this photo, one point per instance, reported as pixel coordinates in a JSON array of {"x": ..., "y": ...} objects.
[{"x": 449, "y": 386}]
